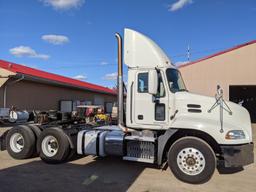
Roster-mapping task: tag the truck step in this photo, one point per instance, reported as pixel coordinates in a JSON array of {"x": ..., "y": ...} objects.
[
  {"x": 141, "y": 149},
  {"x": 140, "y": 138},
  {"x": 138, "y": 159}
]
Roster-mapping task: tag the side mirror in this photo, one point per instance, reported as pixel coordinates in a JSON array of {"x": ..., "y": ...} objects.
[{"x": 152, "y": 82}]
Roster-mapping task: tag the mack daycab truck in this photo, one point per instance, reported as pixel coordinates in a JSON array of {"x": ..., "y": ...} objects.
[{"x": 162, "y": 123}]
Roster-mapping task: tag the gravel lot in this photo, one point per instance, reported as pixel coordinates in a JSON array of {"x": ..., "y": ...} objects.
[{"x": 110, "y": 174}]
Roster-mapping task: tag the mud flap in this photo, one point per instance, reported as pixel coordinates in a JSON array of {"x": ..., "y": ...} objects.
[{"x": 3, "y": 141}]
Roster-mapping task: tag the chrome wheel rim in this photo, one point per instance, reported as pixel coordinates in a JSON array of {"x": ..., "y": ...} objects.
[
  {"x": 191, "y": 161},
  {"x": 50, "y": 146},
  {"x": 17, "y": 142}
]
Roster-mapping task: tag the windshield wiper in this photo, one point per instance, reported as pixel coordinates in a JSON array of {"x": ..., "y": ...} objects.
[{"x": 183, "y": 90}]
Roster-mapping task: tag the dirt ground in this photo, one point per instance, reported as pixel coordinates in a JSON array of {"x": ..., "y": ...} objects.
[{"x": 110, "y": 174}]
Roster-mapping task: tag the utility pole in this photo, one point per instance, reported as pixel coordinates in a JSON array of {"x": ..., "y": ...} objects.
[{"x": 188, "y": 53}]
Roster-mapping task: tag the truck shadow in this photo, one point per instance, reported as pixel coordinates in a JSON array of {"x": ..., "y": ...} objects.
[
  {"x": 231, "y": 170},
  {"x": 108, "y": 174}
]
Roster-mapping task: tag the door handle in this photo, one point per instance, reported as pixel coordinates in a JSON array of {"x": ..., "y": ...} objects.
[{"x": 140, "y": 117}]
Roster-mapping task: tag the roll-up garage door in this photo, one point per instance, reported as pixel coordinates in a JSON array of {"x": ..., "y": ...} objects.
[{"x": 244, "y": 95}]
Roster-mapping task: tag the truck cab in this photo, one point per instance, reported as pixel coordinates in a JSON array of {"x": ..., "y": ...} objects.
[{"x": 157, "y": 97}]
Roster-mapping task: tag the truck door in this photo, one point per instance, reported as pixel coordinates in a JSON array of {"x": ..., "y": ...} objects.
[{"x": 148, "y": 109}]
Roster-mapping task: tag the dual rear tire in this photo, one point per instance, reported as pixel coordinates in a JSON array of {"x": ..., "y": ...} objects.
[
  {"x": 21, "y": 142},
  {"x": 51, "y": 145}
]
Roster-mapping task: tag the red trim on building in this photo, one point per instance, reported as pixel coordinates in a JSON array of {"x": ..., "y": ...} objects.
[
  {"x": 50, "y": 76},
  {"x": 219, "y": 53}
]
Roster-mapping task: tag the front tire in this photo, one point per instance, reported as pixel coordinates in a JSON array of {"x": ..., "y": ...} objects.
[
  {"x": 192, "y": 160},
  {"x": 53, "y": 146}
]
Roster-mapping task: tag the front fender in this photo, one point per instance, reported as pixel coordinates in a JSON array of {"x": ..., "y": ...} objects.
[
  {"x": 161, "y": 144},
  {"x": 210, "y": 127}
]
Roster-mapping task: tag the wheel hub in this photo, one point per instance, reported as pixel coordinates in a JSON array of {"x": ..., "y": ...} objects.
[
  {"x": 50, "y": 146},
  {"x": 191, "y": 161},
  {"x": 20, "y": 141},
  {"x": 17, "y": 142},
  {"x": 53, "y": 145}
]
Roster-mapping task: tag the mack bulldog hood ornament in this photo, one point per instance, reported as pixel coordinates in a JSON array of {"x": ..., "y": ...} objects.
[{"x": 222, "y": 104}]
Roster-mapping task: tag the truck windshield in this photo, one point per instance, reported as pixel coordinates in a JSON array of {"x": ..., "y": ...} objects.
[{"x": 175, "y": 80}]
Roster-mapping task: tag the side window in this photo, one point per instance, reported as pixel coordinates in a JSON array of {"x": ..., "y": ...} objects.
[
  {"x": 160, "y": 87},
  {"x": 143, "y": 82}
]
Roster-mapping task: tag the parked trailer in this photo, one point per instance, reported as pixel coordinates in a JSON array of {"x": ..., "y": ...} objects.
[{"x": 163, "y": 122}]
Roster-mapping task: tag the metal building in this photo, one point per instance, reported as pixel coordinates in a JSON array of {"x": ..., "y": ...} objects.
[
  {"x": 32, "y": 89},
  {"x": 233, "y": 69}
]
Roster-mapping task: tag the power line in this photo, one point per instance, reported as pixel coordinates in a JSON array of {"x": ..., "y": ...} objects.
[
  {"x": 80, "y": 66},
  {"x": 187, "y": 54}
]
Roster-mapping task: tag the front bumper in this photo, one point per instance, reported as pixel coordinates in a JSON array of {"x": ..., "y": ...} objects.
[{"x": 237, "y": 155}]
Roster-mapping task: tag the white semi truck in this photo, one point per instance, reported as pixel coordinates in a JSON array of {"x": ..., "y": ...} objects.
[{"x": 163, "y": 122}]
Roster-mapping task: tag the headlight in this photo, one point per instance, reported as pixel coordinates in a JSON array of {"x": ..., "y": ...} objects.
[{"x": 235, "y": 134}]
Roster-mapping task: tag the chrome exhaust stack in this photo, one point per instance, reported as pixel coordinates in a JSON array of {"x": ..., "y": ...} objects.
[{"x": 120, "y": 84}]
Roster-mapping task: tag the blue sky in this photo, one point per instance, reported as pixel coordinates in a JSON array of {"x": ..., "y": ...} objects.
[{"x": 75, "y": 38}]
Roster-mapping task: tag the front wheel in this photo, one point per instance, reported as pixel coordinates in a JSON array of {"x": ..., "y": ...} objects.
[{"x": 192, "y": 160}]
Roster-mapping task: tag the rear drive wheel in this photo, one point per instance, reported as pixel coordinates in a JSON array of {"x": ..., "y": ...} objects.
[
  {"x": 20, "y": 142},
  {"x": 53, "y": 146},
  {"x": 192, "y": 160}
]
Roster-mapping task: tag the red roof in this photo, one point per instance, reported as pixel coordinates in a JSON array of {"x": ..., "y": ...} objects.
[
  {"x": 53, "y": 77},
  {"x": 219, "y": 53}
]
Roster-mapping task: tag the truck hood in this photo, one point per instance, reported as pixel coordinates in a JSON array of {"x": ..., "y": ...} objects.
[{"x": 196, "y": 108}]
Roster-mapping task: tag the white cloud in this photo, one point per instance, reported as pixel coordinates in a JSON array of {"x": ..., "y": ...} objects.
[
  {"x": 41, "y": 56},
  {"x": 179, "y": 63},
  {"x": 63, "y": 4},
  {"x": 110, "y": 76},
  {"x": 104, "y": 63},
  {"x": 80, "y": 77},
  {"x": 179, "y": 4},
  {"x": 55, "y": 39},
  {"x": 25, "y": 51},
  {"x": 22, "y": 51}
]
